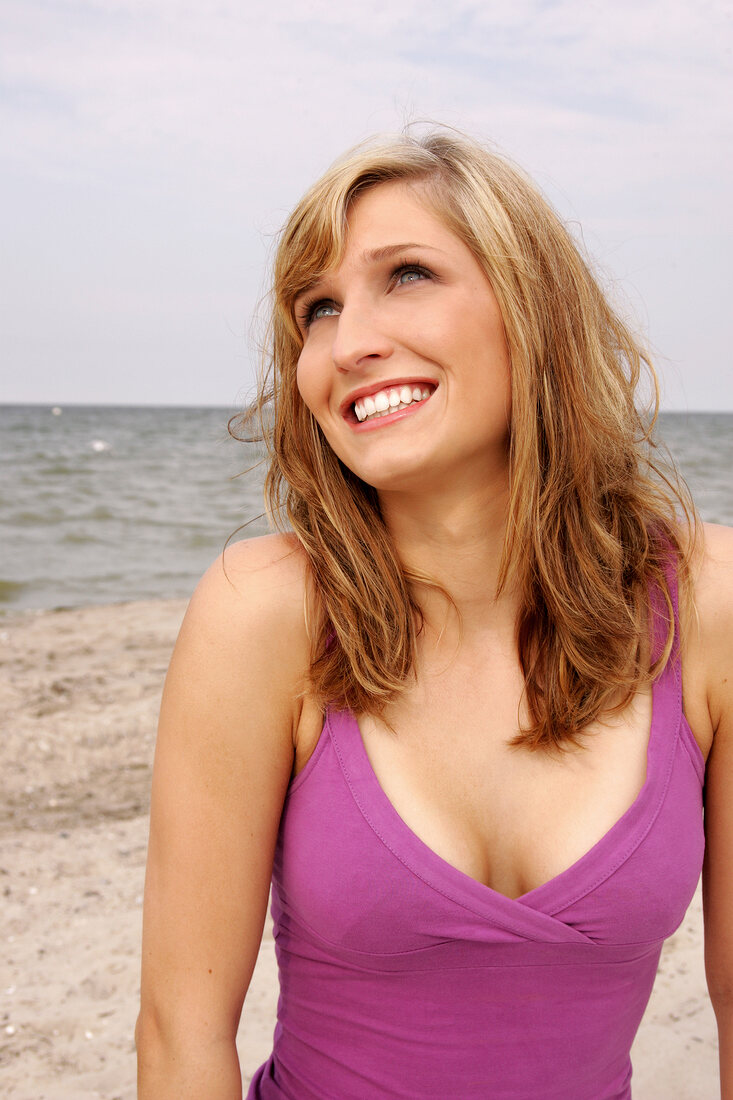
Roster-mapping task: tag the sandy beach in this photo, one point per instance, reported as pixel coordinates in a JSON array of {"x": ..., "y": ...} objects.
[{"x": 79, "y": 693}]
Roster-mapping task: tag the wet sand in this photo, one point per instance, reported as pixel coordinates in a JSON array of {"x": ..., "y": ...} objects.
[{"x": 79, "y": 693}]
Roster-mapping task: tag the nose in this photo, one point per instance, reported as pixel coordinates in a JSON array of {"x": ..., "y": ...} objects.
[{"x": 359, "y": 338}]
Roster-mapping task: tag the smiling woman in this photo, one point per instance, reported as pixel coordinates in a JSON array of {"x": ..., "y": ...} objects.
[
  {"x": 384, "y": 321},
  {"x": 443, "y": 715}
]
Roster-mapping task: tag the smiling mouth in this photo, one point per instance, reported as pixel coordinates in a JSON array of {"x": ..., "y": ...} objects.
[{"x": 389, "y": 400}]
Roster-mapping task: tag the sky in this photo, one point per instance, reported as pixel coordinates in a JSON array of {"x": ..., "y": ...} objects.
[{"x": 150, "y": 150}]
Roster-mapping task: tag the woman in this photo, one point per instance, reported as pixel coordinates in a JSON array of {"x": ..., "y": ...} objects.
[{"x": 471, "y": 885}]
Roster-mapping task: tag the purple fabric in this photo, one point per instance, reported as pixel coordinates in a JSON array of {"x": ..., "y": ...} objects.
[{"x": 401, "y": 977}]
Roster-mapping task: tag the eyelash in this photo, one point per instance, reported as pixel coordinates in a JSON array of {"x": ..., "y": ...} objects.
[{"x": 309, "y": 306}]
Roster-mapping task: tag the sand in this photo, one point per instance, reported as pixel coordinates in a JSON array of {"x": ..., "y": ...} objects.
[{"x": 79, "y": 693}]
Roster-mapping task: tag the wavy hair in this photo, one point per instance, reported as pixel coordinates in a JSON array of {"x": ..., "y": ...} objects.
[{"x": 594, "y": 514}]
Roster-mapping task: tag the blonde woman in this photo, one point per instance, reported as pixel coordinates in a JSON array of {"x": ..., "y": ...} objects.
[{"x": 458, "y": 716}]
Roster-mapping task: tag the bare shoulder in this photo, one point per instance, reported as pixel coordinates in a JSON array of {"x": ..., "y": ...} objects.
[
  {"x": 233, "y": 694},
  {"x": 709, "y": 633},
  {"x": 713, "y": 563},
  {"x": 261, "y": 577},
  {"x": 250, "y": 604},
  {"x": 713, "y": 583},
  {"x": 241, "y": 660}
]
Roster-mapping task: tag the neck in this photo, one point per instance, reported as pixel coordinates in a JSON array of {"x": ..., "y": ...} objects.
[{"x": 457, "y": 541}]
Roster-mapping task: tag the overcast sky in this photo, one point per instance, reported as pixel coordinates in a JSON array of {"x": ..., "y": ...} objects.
[{"x": 150, "y": 150}]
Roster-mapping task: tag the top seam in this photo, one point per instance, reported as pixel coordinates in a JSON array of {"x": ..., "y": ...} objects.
[
  {"x": 507, "y": 926},
  {"x": 637, "y": 840},
  {"x": 672, "y": 670}
]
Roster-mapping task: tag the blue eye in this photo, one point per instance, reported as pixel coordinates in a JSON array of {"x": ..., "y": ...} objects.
[
  {"x": 309, "y": 312},
  {"x": 322, "y": 309},
  {"x": 411, "y": 275}
]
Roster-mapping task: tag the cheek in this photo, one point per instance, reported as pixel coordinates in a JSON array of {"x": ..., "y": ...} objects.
[
  {"x": 306, "y": 379},
  {"x": 313, "y": 385}
]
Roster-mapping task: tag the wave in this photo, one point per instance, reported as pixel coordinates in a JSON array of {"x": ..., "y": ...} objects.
[
  {"x": 11, "y": 590},
  {"x": 204, "y": 540},
  {"x": 79, "y": 538},
  {"x": 33, "y": 519},
  {"x": 100, "y": 511},
  {"x": 55, "y": 516},
  {"x": 56, "y": 469}
]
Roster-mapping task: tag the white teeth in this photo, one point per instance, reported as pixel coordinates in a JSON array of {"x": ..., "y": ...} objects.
[{"x": 389, "y": 400}]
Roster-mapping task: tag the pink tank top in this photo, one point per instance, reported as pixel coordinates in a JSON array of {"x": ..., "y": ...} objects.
[{"x": 402, "y": 977}]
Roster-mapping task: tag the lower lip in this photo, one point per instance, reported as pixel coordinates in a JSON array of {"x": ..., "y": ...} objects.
[{"x": 390, "y": 418}]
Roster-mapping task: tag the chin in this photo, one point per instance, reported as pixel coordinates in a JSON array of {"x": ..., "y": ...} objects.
[{"x": 396, "y": 480}]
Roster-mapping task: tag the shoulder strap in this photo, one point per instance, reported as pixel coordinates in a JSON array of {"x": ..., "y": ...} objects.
[{"x": 660, "y": 614}]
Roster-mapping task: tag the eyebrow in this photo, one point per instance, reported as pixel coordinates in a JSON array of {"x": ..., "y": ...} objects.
[{"x": 374, "y": 255}]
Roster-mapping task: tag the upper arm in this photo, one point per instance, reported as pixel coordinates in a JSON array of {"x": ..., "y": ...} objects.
[
  {"x": 714, "y": 598},
  {"x": 223, "y": 761}
]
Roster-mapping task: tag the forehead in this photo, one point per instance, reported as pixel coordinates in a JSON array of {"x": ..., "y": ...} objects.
[{"x": 394, "y": 212}]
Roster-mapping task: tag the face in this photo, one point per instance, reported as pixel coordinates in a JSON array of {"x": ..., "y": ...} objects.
[{"x": 404, "y": 363}]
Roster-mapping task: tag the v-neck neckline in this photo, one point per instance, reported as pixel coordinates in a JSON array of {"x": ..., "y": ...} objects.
[{"x": 583, "y": 875}]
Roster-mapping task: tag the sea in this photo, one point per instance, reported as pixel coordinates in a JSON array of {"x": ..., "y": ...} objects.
[{"x": 108, "y": 504}]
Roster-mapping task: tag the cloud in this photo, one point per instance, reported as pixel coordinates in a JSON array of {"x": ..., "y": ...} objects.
[{"x": 152, "y": 147}]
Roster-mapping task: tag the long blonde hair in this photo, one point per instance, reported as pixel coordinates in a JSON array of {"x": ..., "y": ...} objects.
[{"x": 593, "y": 517}]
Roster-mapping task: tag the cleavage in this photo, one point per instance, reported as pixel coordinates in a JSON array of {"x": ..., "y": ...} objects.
[{"x": 508, "y": 817}]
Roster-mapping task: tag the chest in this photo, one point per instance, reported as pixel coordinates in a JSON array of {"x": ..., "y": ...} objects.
[{"x": 508, "y": 817}]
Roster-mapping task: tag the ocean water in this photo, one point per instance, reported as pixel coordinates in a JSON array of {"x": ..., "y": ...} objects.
[{"x": 101, "y": 505}]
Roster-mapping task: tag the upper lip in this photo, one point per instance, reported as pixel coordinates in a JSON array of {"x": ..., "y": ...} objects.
[{"x": 375, "y": 387}]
